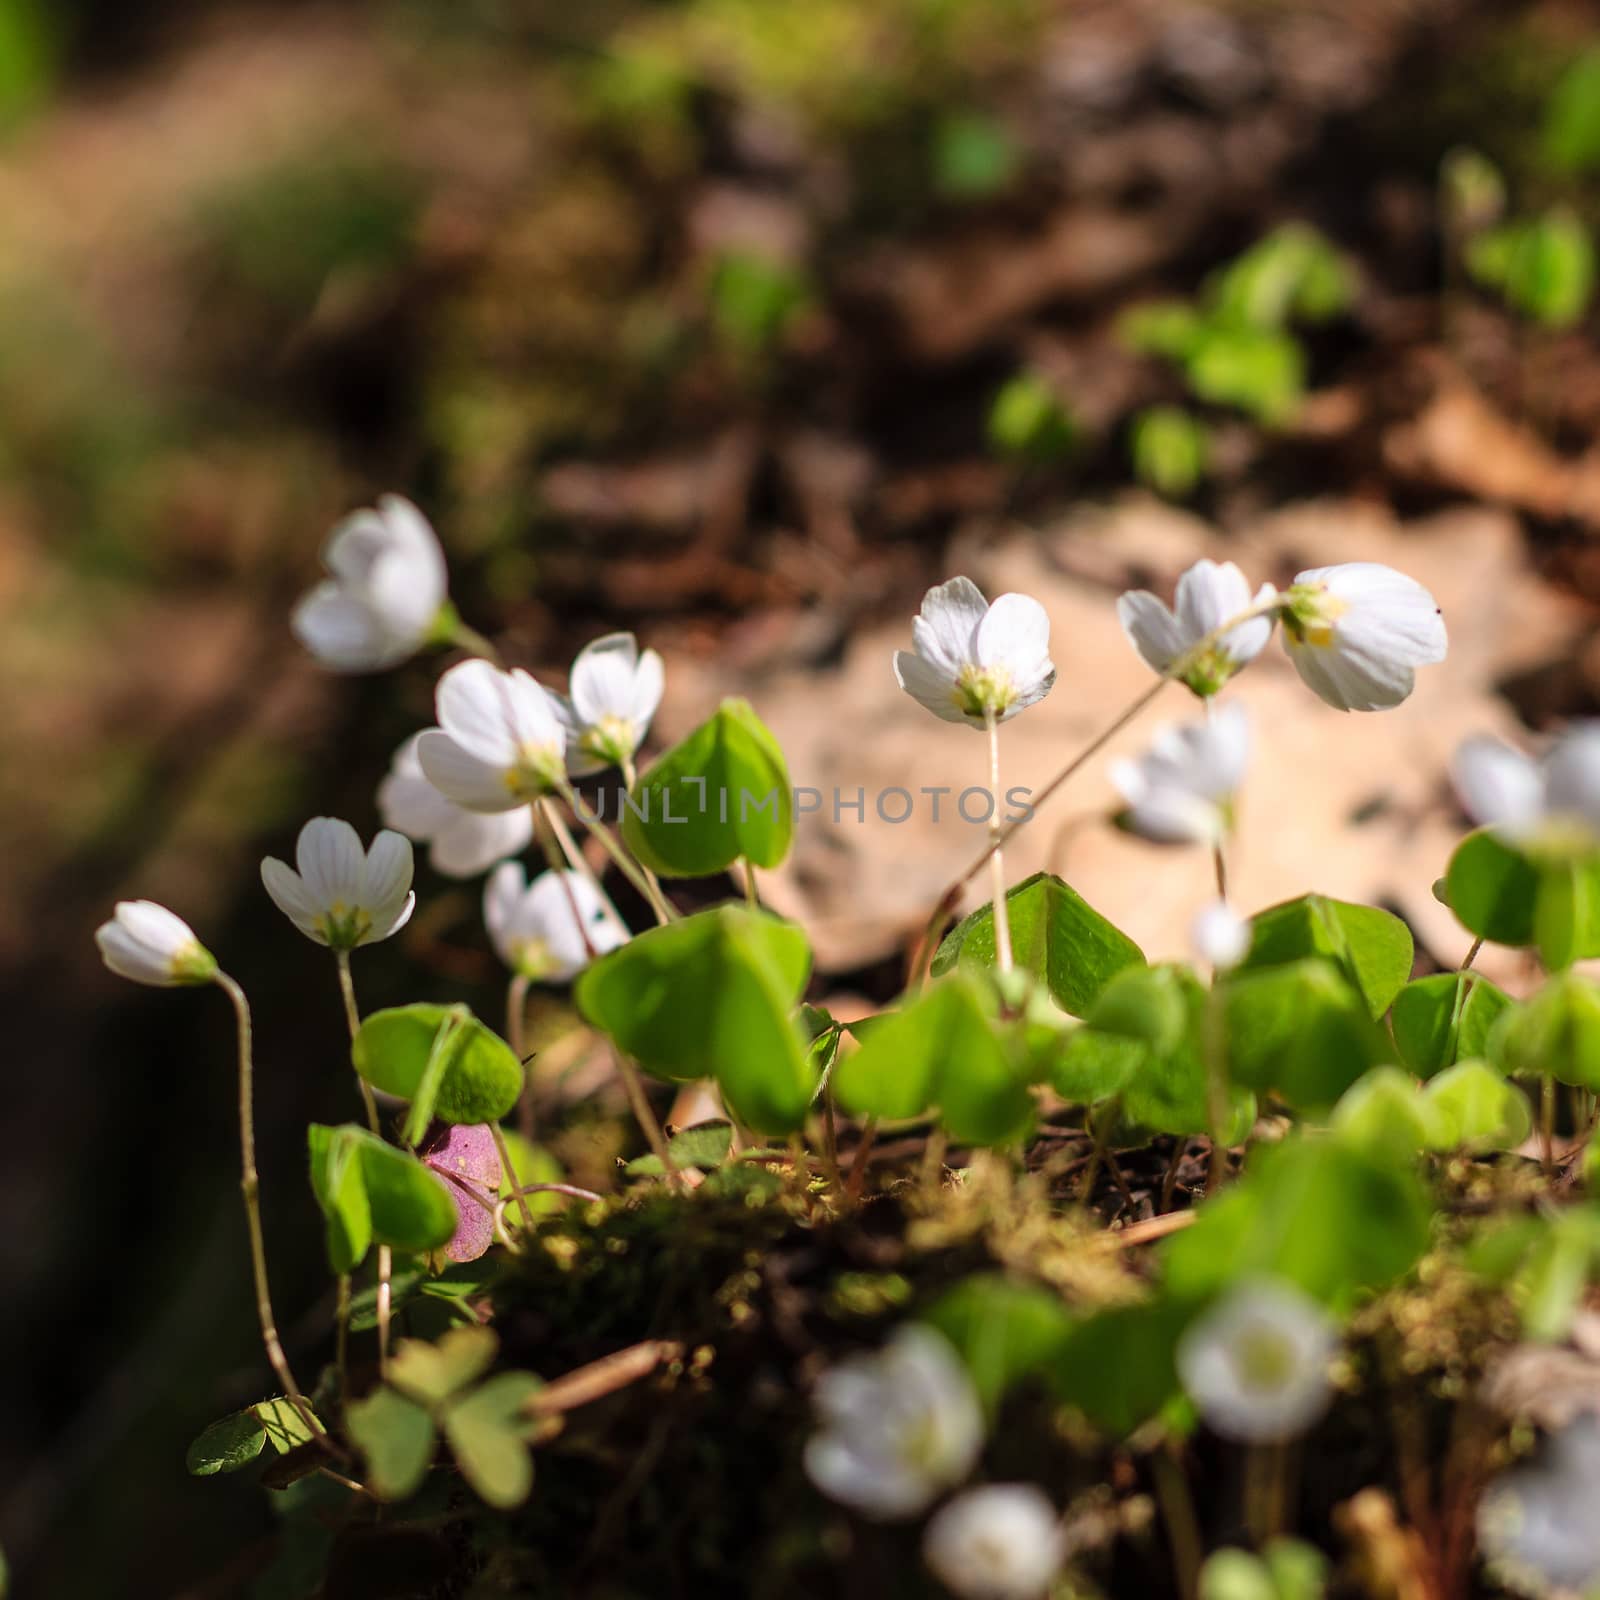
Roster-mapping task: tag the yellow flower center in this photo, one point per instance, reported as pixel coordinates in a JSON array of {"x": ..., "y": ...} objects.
[
  {"x": 980, "y": 690},
  {"x": 1310, "y": 612}
]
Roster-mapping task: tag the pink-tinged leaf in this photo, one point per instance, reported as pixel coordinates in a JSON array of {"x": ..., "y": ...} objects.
[{"x": 464, "y": 1155}]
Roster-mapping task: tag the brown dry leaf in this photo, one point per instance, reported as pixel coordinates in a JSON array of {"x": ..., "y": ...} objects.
[
  {"x": 1353, "y": 806},
  {"x": 1459, "y": 441}
]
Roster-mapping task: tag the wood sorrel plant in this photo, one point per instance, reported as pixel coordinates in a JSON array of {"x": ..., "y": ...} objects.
[{"x": 1379, "y": 1084}]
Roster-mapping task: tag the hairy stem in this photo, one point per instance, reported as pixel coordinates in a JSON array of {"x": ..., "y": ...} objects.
[
  {"x": 467, "y": 638},
  {"x": 250, "y": 1187},
  {"x": 612, "y": 846},
  {"x": 1216, "y": 1064},
  {"x": 510, "y": 1171},
  {"x": 1175, "y": 670},
  {"x": 352, "y": 1015},
  {"x": 576, "y": 860},
  {"x": 516, "y": 1010},
  {"x": 997, "y": 868},
  {"x": 646, "y": 1118}
]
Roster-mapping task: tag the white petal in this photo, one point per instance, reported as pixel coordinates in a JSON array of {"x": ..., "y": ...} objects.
[
  {"x": 602, "y": 678},
  {"x": 1249, "y": 639},
  {"x": 503, "y": 894},
  {"x": 1151, "y": 628},
  {"x": 1214, "y": 1361},
  {"x": 395, "y": 918},
  {"x": 535, "y": 720},
  {"x": 1347, "y": 681},
  {"x": 404, "y": 604},
  {"x": 355, "y": 547},
  {"x": 1031, "y": 692},
  {"x": 473, "y": 841},
  {"x": 945, "y": 632},
  {"x": 1170, "y": 815},
  {"x": 1002, "y": 1541},
  {"x": 463, "y": 777},
  {"x": 1128, "y": 779},
  {"x": 339, "y": 631},
  {"x": 424, "y": 555},
  {"x": 1209, "y": 593},
  {"x": 1226, "y": 750},
  {"x": 1402, "y": 616},
  {"x": 1220, "y": 936},
  {"x": 1015, "y": 633},
  {"x": 876, "y": 1489},
  {"x": 649, "y": 682},
  {"x": 289, "y": 895},
  {"x": 1498, "y": 786},
  {"x": 332, "y": 863},
  {"x": 410, "y": 804},
  {"x": 474, "y": 704},
  {"x": 155, "y": 926},
  {"x": 130, "y": 957},
  {"x": 144, "y": 941},
  {"x": 549, "y": 911},
  {"x": 387, "y": 879},
  {"x": 929, "y": 685},
  {"x": 1572, "y": 774}
]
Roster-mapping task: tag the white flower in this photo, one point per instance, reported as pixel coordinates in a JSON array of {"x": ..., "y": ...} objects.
[
  {"x": 150, "y": 944},
  {"x": 1209, "y": 594},
  {"x": 1550, "y": 804},
  {"x": 972, "y": 658},
  {"x": 614, "y": 692},
  {"x": 1220, "y": 936},
  {"x": 1537, "y": 1522},
  {"x": 385, "y": 594},
  {"x": 532, "y": 927},
  {"x": 1181, "y": 790},
  {"x": 1357, "y": 632},
  {"x": 1000, "y": 1542},
  {"x": 1256, "y": 1364},
  {"x": 499, "y": 743},
  {"x": 461, "y": 843},
  {"x": 343, "y": 896},
  {"x": 899, "y": 1426}
]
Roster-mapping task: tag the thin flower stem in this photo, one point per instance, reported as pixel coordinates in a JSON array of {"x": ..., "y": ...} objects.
[
  {"x": 858, "y": 1167},
  {"x": 467, "y": 638},
  {"x": 1177, "y": 1511},
  {"x": 830, "y": 1143},
  {"x": 516, "y": 1011},
  {"x": 1169, "y": 1180},
  {"x": 576, "y": 860},
  {"x": 1472, "y": 954},
  {"x": 613, "y": 847},
  {"x": 571, "y": 1190},
  {"x": 1175, "y": 670},
  {"x": 1215, "y": 1041},
  {"x": 346, "y": 1483},
  {"x": 1547, "y": 1124},
  {"x": 352, "y": 1015},
  {"x": 752, "y": 897},
  {"x": 509, "y": 1169},
  {"x": 250, "y": 1187},
  {"x": 342, "y": 1326},
  {"x": 1002, "y": 913},
  {"x": 630, "y": 779},
  {"x": 1220, "y": 861},
  {"x": 646, "y": 1118}
]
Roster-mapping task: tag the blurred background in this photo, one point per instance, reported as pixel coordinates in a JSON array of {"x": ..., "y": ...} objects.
[{"x": 736, "y": 322}]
